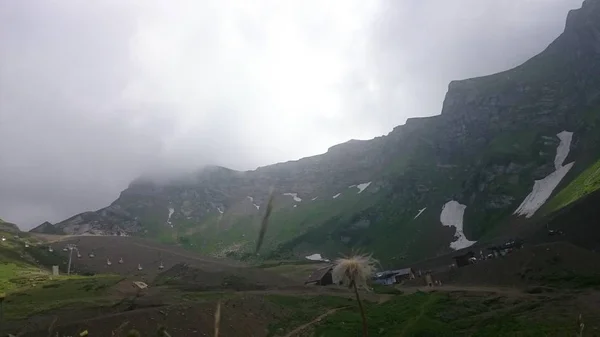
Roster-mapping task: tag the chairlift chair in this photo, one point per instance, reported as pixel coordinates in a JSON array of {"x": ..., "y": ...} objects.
[
  {"x": 121, "y": 260},
  {"x": 91, "y": 254},
  {"x": 161, "y": 266},
  {"x": 139, "y": 266},
  {"x": 108, "y": 262},
  {"x": 50, "y": 249}
]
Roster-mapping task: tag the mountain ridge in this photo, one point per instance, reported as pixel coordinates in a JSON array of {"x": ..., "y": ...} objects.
[{"x": 495, "y": 136}]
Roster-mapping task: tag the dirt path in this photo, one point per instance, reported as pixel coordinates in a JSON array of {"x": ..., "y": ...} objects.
[
  {"x": 371, "y": 297},
  {"x": 314, "y": 321}
]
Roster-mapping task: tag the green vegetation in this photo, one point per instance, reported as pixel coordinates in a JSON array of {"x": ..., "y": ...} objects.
[
  {"x": 567, "y": 279},
  {"x": 443, "y": 314},
  {"x": 31, "y": 289},
  {"x": 208, "y": 296},
  {"x": 383, "y": 289},
  {"x": 18, "y": 266},
  {"x": 8, "y": 227},
  {"x": 303, "y": 310},
  {"x": 72, "y": 291},
  {"x": 13, "y": 276},
  {"x": 587, "y": 182},
  {"x": 235, "y": 235}
]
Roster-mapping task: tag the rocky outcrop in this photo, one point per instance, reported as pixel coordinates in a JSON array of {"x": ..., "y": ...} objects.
[
  {"x": 8, "y": 227},
  {"x": 112, "y": 220}
]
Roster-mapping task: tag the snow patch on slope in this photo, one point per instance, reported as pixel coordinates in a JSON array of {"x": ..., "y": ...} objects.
[
  {"x": 543, "y": 188},
  {"x": 363, "y": 186},
  {"x": 562, "y": 151},
  {"x": 452, "y": 216},
  {"x": 337, "y": 195},
  {"x": 316, "y": 257},
  {"x": 293, "y": 195},
  {"x": 252, "y": 201},
  {"x": 420, "y": 211},
  {"x": 171, "y": 211}
]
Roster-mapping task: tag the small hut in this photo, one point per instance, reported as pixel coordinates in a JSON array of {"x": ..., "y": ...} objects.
[
  {"x": 321, "y": 276},
  {"x": 393, "y": 276}
]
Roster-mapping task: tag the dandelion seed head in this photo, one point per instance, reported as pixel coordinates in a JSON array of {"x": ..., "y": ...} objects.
[{"x": 357, "y": 269}]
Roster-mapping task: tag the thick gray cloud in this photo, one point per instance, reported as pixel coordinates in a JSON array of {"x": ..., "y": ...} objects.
[{"x": 94, "y": 93}]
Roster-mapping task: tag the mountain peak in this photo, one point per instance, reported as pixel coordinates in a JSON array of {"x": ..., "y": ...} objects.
[
  {"x": 565, "y": 74},
  {"x": 586, "y": 17},
  {"x": 46, "y": 228}
]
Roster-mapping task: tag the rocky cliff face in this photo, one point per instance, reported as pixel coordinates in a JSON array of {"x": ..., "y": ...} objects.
[{"x": 430, "y": 186}]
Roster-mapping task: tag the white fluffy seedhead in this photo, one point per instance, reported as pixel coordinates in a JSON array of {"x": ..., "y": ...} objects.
[{"x": 357, "y": 269}]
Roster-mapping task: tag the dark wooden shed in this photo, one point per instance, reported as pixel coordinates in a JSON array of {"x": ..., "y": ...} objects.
[{"x": 321, "y": 276}]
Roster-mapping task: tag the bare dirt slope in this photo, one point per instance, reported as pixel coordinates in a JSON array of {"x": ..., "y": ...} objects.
[
  {"x": 135, "y": 252},
  {"x": 578, "y": 222},
  {"x": 179, "y": 267},
  {"x": 554, "y": 264},
  {"x": 202, "y": 278}
]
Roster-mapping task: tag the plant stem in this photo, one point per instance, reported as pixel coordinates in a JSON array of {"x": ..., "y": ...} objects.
[{"x": 362, "y": 311}]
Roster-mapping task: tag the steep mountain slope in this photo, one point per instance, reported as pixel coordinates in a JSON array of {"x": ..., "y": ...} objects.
[{"x": 502, "y": 146}]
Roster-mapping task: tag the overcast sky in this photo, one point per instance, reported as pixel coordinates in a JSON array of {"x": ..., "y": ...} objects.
[{"x": 93, "y": 93}]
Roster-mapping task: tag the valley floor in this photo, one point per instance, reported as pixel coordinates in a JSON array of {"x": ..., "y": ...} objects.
[
  {"x": 526, "y": 294},
  {"x": 442, "y": 311}
]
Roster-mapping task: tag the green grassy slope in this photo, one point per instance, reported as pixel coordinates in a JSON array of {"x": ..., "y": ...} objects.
[
  {"x": 30, "y": 288},
  {"x": 57, "y": 292},
  {"x": 8, "y": 227},
  {"x": 585, "y": 183},
  {"x": 491, "y": 180},
  {"x": 443, "y": 314},
  {"x": 23, "y": 266}
]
